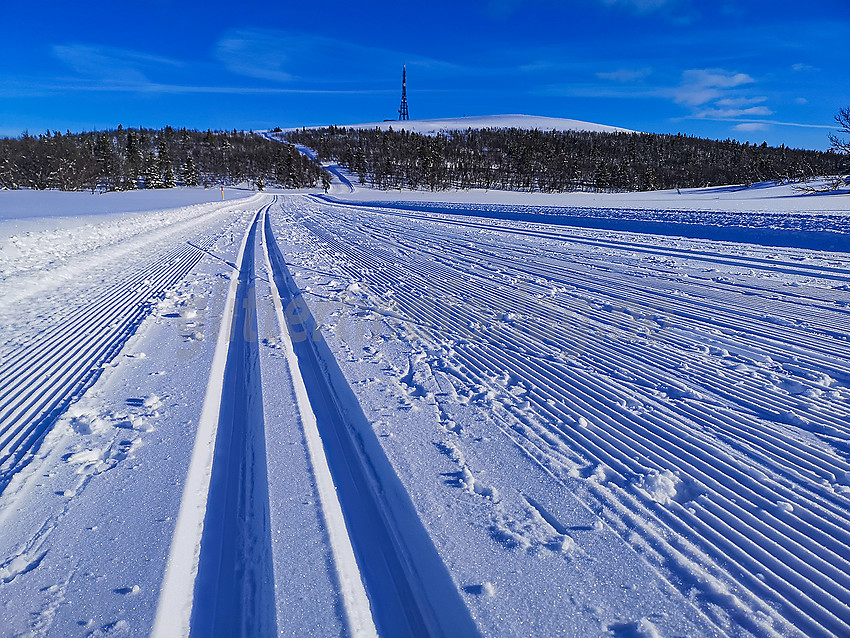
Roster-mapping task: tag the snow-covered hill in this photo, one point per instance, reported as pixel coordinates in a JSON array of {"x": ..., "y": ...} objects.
[{"x": 429, "y": 127}]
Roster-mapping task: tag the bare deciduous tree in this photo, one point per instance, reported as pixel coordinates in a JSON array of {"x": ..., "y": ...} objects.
[{"x": 839, "y": 144}]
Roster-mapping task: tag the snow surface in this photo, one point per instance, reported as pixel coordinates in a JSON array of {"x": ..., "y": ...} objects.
[
  {"x": 767, "y": 197},
  {"x": 20, "y": 204},
  {"x": 430, "y": 127},
  {"x": 553, "y": 429}
]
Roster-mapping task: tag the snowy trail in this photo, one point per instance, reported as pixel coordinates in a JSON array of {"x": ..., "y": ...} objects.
[
  {"x": 39, "y": 383},
  {"x": 219, "y": 572},
  {"x": 802, "y": 229},
  {"x": 695, "y": 393},
  {"x": 358, "y": 612},
  {"x": 417, "y": 422}
]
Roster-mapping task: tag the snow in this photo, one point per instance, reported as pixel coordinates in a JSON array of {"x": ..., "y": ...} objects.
[
  {"x": 768, "y": 197},
  {"x": 552, "y": 428},
  {"x": 433, "y": 126},
  {"x": 23, "y": 204}
]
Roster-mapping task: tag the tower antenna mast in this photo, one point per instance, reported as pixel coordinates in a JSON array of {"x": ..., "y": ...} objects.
[{"x": 402, "y": 110}]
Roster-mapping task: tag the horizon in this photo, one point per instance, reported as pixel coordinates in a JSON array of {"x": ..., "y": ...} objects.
[{"x": 760, "y": 73}]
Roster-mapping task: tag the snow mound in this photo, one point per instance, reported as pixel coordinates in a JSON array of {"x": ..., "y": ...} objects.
[{"x": 660, "y": 486}]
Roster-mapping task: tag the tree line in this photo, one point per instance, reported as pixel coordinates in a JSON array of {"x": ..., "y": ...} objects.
[
  {"x": 126, "y": 159},
  {"x": 557, "y": 161}
]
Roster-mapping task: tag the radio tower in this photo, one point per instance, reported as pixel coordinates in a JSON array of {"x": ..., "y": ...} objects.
[{"x": 402, "y": 110}]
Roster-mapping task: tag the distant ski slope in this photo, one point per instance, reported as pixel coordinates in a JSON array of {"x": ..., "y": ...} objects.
[{"x": 430, "y": 127}]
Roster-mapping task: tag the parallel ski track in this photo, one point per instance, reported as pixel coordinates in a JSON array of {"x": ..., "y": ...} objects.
[
  {"x": 402, "y": 604},
  {"x": 234, "y": 585},
  {"x": 737, "y": 458},
  {"x": 37, "y": 383}
]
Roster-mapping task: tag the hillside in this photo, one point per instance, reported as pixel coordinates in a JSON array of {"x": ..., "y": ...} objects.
[
  {"x": 129, "y": 159},
  {"x": 526, "y": 122},
  {"x": 453, "y": 154}
]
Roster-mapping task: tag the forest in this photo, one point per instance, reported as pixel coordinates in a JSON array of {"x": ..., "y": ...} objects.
[
  {"x": 557, "y": 161},
  {"x": 126, "y": 159}
]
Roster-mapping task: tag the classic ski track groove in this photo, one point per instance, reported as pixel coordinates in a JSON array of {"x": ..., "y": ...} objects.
[
  {"x": 730, "y": 444},
  {"x": 174, "y": 615}
]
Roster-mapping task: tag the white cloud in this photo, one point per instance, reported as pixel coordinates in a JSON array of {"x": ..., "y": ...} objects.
[
  {"x": 737, "y": 102},
  {"x": 284, "y": 57},
  {"x": 723, "y": 114},
  {"x": 801, "y": 100},
  {"x": 504, "y": 8},
  {"x": 256, "y": 54},
  {"x": 802, "y": 67},
  {"x": 643, "y": 6},
  {"x": 700, "y": 86},
  {"x": 749, "y": 127}
]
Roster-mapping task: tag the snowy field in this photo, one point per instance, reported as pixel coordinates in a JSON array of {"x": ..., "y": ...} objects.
[{"x": 425, "y": 414}]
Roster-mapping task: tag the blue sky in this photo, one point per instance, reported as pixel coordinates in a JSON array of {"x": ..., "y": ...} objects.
[{"x": 772, "y": 71}]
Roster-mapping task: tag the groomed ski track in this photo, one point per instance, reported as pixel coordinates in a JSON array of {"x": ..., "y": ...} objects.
[
  {"x": 228, "y": 587},
  {"x": 692, "y": 396},
  {"x": 39, "y": 382},
  {"x": 696, "y": 400}
]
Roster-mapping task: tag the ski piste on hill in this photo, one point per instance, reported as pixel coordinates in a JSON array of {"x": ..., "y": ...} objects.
[
  {"x": 393, "y": 413},
  {"x": 432, "y": 126}
]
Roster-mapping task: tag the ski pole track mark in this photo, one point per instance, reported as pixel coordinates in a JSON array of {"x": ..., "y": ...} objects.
[{"x": 807, "y": 542}]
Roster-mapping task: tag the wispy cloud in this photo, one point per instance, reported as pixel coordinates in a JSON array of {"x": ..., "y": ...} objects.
[
  {"x": 625, "y": 75},
  {"x": 257, "y": 54},
  {"x": 44, "y": 88},
  {"x": 505, "y": 8},
  {"x": 738, "y": 102},
  {"x": 714, "y": 94},
  {"x": 285, "y": 57},
  {"x": 770, "y": 122},
  {"x": 724, "y": 114},
  {"x": 278, "y": 62},
  {"x": 750, "y": 127},
  {"x": 642, "y": 6},
  {"x": 700, "y": 86},
  {"x": 100, "y": 69},
  {"x": 111, "y": 64}
]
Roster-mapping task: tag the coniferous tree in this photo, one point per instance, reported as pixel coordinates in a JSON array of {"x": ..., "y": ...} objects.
[
  {"x": 190, "y": 172},
  {"x": 134, "y": 161},
  {"x": 166, "y": 168},
  {"x": 130, "y": 158},
  {"x": 555, "y": 160},
  {"x": 151, "y": 171},
  {"x": 106, "y": 161}
]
